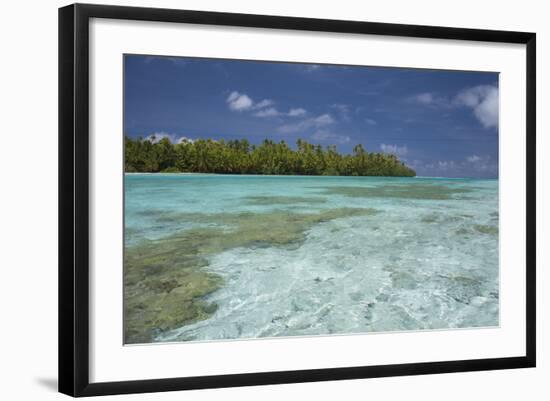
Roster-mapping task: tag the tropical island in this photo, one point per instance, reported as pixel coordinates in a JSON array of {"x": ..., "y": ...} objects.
[
  {"x": 306, "y": 228},
  {"x": 269, "y": 158}
]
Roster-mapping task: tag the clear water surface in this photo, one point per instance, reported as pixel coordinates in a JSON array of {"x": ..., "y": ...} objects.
[{"x": 426, "y": 258}]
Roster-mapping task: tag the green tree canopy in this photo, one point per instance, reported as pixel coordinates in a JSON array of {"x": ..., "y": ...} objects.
[{"x": 239, "y": 157}]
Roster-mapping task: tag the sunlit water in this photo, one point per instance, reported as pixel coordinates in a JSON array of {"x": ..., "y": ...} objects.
[{"x": 420, "y": 262}]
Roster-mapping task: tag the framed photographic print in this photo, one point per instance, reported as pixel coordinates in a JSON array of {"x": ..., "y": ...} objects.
[{"x": 249, "y": 199}]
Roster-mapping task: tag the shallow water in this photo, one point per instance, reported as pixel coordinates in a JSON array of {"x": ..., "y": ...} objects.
[{"x": 285, "y": 256}]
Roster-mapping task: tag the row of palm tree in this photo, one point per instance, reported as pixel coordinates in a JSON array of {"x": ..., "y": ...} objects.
[{"x": 269, "y": 157}]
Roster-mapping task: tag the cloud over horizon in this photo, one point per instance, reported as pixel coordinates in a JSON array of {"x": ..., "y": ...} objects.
[
  {"x": 394, "y": 149},
  {"x": 324, "y": 135},
  {"x": 240, "y": 102},
  {"x": 156, "y": 137},
  {"x": 471, "y": 166},
  {"x": 314, "y": 122},
  {"x": 483, "y": 100}
]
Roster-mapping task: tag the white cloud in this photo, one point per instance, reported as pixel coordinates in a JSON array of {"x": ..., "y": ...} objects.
[
  {"x": 431, "y": 99},
  {"x": 414, "y": 164},
  {"x": 239, "y": 101},
  {"x": 424, "y": 98},
  {"x": 342, "y": 107},
  {"x": 158, "y": 136},
  {"x": 269, "y": 112},
  {"x": 314, "y": 122},
  {"x": 296, "y": 112},
  {"x": 483, "y": 100},
  {"x": 446, "y": 164},
  {"x": 370, "y": 121},
  {"x": 184, "y": 139},
  {"x": 323, "y": 119},
  {"x": 482, "y": 163},
  {"x": 394, "y": 149},
  {"x": 273, "y": 112},
  {"x": 326, "y": 136},
  {"x": 263, "y": 103},
  {"x": 343, "y": 110},
  {"x": 471, "y": 166}
]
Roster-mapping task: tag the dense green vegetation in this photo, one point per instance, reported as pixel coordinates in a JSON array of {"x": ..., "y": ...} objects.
[{"x": 239, "y": 157}]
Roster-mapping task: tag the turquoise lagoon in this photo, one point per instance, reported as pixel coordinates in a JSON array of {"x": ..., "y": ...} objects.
[{"x": 388, "y": 254}]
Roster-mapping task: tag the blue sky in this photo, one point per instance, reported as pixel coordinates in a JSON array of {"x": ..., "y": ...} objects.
[{"x": 441, "y": 123}]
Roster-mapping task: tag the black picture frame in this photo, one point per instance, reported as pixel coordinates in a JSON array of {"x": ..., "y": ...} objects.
[{"x": 74, "y": 198}]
